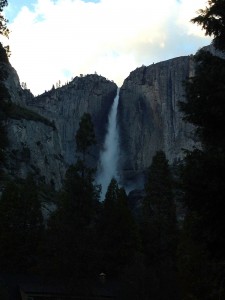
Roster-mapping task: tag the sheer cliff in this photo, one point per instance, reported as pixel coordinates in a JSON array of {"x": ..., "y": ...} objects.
[
  {"x": 65, "y": 106},
  {"x": 41, "y": 130},
  {"x": 148, "y": 115}
]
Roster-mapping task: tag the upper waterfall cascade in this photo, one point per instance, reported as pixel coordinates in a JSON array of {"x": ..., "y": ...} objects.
[{"x": 110, "y": 153}]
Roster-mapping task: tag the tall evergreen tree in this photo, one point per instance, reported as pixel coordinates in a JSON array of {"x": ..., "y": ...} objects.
[
  {"x": 159, "y": 230},
  {"x": 203, "y": 176},
  {"x": 205, "y": 105},
  {"x": 118, "y": 233},
  {"x": 203, "y": 173},
  {"x": 21, "y": 226},
  {"x": 85, "y": 136},
  {"x": 73, "y": 223},
  {"x": 212, "y": 21},
  {"x": 158, "y": 205}
]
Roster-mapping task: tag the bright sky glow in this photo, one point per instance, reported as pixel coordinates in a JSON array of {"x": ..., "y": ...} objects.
[{"x": 55, "y": 40}]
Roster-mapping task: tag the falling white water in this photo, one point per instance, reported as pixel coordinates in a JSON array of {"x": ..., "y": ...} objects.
[{"x": 109, "y": 155}]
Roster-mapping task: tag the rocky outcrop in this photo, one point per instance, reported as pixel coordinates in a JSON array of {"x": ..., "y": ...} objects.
[
  {"x": 149, "y": 117},
  {"x": 64, "y": 107},
  {"x": 34, "y": 148},
  {"x": 210, "y": 48},
  {"x": 33, "y": 141}
]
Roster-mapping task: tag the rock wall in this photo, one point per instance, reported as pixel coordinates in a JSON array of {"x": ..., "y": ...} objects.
[
  {"x": 33, "y": 141},
  {"x": 41, "y": 130},
  {"x": 42, "y": 138},
  {"x": 34, "y": 148},
  {"x": 65, "y": 106},
  {"x": 148, "y": 115}
]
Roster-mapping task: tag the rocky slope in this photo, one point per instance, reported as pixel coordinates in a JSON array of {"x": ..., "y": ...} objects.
[{"x": 149, "y": 118}]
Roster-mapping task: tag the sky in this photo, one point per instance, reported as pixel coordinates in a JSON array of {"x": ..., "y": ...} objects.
[{"x": 52, "y": 40}]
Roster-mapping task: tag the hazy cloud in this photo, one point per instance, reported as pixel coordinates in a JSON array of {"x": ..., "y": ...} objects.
[{"x": 59, "y": 39}]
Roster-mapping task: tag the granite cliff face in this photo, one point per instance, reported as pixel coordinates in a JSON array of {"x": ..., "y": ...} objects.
[
  {"x": 33, "y": 141},
  {"x": 34, "y": 148},
  {"x": 148, "y": 115},
  {"x": 41, "y": 130},
  {"x": 65, "y": 106}
]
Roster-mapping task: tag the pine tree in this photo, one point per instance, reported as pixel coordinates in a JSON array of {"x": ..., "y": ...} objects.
[
  {"x": 212, "y": 21},
  {"x": 21, "y": 226},
  {"x": 158, "y": 206},
  {"x": 74, "y": 220},
  {"x": 203, "y": 173},
  {"x": 205, "y": 105},
  {"x": 85, "y": 136},
  {"x": 118, "y": 235},
  {"x": 159, "y": 230}
]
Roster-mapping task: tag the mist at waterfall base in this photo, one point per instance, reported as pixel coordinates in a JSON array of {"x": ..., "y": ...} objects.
[{"x": 110, "y": 153}]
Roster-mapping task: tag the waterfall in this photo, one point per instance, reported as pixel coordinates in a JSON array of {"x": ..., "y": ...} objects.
[{"x": 109, "y": 154}]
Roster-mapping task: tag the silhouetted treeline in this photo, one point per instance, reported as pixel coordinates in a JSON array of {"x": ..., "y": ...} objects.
[{"x": 152, "y": 256}]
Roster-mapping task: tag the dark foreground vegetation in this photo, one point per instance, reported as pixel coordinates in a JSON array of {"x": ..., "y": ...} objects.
[{"x": 155, "y": 254}]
